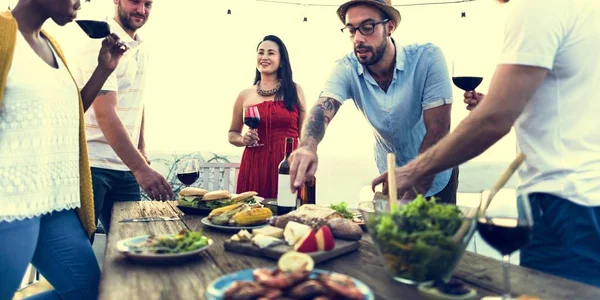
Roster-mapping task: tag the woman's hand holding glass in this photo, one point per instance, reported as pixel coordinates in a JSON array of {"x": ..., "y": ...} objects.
[{"x": 250, "y": 138}]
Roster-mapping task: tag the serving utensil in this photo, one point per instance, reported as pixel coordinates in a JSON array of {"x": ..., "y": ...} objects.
[{"x": 149, "y": 219}]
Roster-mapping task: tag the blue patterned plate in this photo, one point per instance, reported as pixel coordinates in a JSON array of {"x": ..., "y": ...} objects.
[{"x": 217, "y": 288}]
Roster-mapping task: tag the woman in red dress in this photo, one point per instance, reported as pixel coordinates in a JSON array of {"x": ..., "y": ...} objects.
[{"x": 280, "y": 103}]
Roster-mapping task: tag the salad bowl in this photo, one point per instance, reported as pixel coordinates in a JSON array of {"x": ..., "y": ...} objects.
[{"x": 419, "y": 241}]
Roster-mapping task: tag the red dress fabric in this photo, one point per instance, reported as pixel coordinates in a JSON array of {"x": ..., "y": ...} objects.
[{"x": 258, "y": 168}]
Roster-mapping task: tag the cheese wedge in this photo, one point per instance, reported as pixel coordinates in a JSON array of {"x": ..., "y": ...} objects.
[
  {"x": 294, "y": 231},
  {"x": 264, "y": 241},
  {"x": 269, "y": 231}
]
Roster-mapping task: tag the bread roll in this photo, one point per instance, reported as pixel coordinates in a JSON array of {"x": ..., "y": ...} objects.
[
  {"x": 216, "y": 195},
  {"x": 192, "y": 191}
]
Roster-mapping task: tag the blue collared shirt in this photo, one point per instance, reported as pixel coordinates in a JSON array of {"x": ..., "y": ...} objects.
[{"x": 421, "y": 81}]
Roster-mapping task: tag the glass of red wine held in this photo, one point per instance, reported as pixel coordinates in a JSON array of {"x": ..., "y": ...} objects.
[
  {"x": 188, "y": 171},
  {"x": 463, "y": 76},
  {"x": 252, "y": 120},
  {"x": 506, "y": 228}
]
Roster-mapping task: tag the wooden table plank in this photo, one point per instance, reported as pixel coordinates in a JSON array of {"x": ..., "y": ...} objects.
[{"x": 124, "y": 279}]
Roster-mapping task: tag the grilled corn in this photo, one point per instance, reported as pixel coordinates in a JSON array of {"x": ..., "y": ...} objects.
[
  {"x": 222, "y": 216},
  {"x": 252, "y": 216}
]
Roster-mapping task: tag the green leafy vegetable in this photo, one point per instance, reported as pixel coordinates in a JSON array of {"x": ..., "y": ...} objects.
[
  {"x": 415, "y": 239},
  {"x": 184, "y": 241},
  {"x": 342, "y": 208}
]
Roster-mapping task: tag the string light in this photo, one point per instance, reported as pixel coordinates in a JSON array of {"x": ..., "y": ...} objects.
[
  {"x": 463, "y": 14},
  {"x": 229, "y": 11},
  {"x": 396, "y": 5},
  {"x": 305, "y": 19}
]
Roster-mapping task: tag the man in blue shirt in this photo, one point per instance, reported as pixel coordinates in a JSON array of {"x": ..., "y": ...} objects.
[{"x": 404, "y": 92}]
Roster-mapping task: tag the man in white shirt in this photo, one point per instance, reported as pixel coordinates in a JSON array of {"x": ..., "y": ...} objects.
[
  {"x": 545, "y": 85},
  {"x": 115, "y": 122}
]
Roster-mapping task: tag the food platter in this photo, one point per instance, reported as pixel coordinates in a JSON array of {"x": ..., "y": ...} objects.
[
  {"x": 206, "y": 222},
  {"x": 217, "y": 288}
]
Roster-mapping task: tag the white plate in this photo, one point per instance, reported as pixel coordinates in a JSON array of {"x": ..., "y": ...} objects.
[
  {"x": 206, "y": 222},
  {"x": 123, "y": 247}
]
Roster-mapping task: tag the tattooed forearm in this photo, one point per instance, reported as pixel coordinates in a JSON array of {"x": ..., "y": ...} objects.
[
  {"x": 103, "y": 92},
  {"x": 319, "y": 117},
  {"x": 330, "y": 107}
]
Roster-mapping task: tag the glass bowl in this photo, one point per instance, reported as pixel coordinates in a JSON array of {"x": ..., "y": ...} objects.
[{"x": 419, "y": 241}]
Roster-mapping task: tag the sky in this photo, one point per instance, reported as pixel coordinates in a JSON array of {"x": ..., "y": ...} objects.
[{"x": 201, "y": 58}]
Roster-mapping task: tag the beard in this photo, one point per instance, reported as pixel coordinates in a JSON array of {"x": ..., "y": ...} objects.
[
  {"x": 377, "y": 51},
  {"x": 125, "y": 19}
]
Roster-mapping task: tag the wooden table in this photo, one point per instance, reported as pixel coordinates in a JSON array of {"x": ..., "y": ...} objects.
[{"x": 124, "y": 279}]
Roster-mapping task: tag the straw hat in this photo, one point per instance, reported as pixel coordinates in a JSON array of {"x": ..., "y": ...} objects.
[{"x": 384, "y": 5}]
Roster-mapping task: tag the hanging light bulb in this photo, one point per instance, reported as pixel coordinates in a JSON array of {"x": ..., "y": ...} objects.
[{"x": 229, "y": 11}]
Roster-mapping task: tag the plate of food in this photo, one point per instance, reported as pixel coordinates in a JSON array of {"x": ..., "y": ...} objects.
[
  {"x": 194, "y": 200},
  {"x": 178, "y": 247},
  {"x": 293, "y": 278},
  {"x": 238, "y": 216}
]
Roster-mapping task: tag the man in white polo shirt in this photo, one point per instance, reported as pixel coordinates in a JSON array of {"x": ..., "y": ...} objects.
[
  {"x": 547, "y": 85},
  {"x": 115, "y": 122}
]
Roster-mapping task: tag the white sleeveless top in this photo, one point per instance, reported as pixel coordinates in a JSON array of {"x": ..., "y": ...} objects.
[{"x": 39, "y": 138}]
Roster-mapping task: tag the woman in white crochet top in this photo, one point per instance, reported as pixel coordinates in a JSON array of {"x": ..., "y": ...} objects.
[{"x": 39, "y": 155}]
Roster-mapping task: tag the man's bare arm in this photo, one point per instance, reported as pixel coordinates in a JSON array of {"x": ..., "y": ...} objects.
[
  {"x": 437, "y": 124},
  {"x": 319, "y": 117},
  {"x": 93, "y": 87},
  {"x": 115, "y": 132}
]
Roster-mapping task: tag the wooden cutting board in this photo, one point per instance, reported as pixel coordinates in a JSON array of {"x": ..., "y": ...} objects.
[{"x": 341, "y": 247}]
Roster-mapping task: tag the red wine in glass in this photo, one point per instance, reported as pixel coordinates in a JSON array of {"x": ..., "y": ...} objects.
[
  {"x": 188, "y": 178},
  {"x": 252, "y": 120},
  {"x": 467, "y": 83},
  {"x": 505, "y": 235},
  {"x": 506, "y": 230},
  {"x": 188, "y": 171},
  {"x": 94, "y": 29}
]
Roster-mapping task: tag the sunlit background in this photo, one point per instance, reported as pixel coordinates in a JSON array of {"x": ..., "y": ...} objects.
[{"x": 202, "y": 57}]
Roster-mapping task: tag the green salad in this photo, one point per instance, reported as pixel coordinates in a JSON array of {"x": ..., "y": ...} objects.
[
  {"x": 184, "y": 241},
  {"x": 416, "y": 240},
  {"x": 342, "y": 208}
]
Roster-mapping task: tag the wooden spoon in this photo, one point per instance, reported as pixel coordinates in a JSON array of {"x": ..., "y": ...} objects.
[
  {"x": 392, "y": 191},
  {"x": 483, "y": 205}
]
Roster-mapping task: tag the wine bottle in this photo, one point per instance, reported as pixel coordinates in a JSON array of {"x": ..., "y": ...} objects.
[
  {"x": 286, "y": 200},
  {"x": 308, "y": 193}
]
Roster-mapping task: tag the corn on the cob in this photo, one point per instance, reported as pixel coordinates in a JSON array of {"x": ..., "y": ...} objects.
[
  {"x": 224, "y": 209},
  {"x": 252, "y": 216}
]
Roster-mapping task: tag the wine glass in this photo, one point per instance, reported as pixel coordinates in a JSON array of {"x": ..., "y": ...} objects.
[
  {"x": 464, "y": 76},
  {"x": 188, "y": 171},
  {"x": 252, "y": 119},
  {"x": 506, "y": 229}
]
